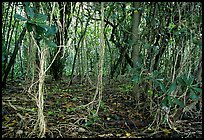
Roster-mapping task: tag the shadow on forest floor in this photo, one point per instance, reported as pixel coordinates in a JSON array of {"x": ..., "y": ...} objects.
[{"x": 118, "y": 117}]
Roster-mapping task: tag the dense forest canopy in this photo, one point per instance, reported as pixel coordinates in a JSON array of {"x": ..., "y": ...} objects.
[{"x": 151, "y": 51}]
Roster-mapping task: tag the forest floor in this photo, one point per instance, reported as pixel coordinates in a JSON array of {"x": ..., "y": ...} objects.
[{"x": 117, "y": 117}]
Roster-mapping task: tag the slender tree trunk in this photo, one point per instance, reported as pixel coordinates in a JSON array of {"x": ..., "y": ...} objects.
[{"x": 135, "y": 47}]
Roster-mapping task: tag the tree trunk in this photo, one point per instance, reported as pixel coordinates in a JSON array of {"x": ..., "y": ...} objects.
[{"x": 135, "y": 47}]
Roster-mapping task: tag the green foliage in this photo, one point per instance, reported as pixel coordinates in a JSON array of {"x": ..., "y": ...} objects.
[
  {"x": 29, "y": 10},
  {"x": 72, "y": 109},
  {"x": 172, "y": 88},
  {"x": 74, "y": 99},
  {"x": 103, "y": 106},
  {"x": 50, "y": 43},
  {"x": 92, "y": 118},
  {"x": 50, "y": 112},
  {"x": 187, "y": 83},
  {"x": 38, "y": 22},
  {"x": 126, "y": 88},
  {"x": 41, "y": 18}
]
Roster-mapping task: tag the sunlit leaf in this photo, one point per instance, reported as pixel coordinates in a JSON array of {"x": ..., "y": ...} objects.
[
  {"x": 50, "y": 113},
  {"x": 73, "y": 109},
  {"x": 150, "y": 92},
  {"x": 127, "y": 134},
  {"x": 74, "y": 99},
  {"x": 166, "y": 131}
]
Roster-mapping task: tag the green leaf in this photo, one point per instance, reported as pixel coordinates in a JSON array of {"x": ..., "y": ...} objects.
[
  {"x": 19, "y": 17},
  {"x": 30, "y": 11},
  {"x": 50, "y": 113},
  {"x": 26, "y": 3},
  {"x": 51, "y": 31},
  {"x": 44, "y": 26},
  {"x": 150, "y": 92},
  {"x": 50, "y": 44},
  {"x": 171, "y": 25},
  {"x": 172, "y": 87},
  {"x": 96, "y": 118},
  {"x": 68, "y": 110},
  {"x": 74, "y": 99},
  {"x": 90, "y": 122},
  {"x": 41, "y": 17},
  {"x": 93, "y": 112},
  {"x": 155, "y": 73},
  {"x": 102, "y": 104},
  {"x": 193, "y": 96},
  {"x": 146, "y": 46},
  {"x": 73, "y": 109},
  {"x": 178, "y": 102},
  {"x": 163, "y": 88},
  {"x": 189, "y": 80},
  {"x": 180, "y": 81},
  {"x": 198, "y": 90},
  {"x": 136, "y": 79}
]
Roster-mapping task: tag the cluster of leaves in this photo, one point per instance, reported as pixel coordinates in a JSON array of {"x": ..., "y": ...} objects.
[
  {"x": 37, "y": 23},
  {"x": 184, "y": 83},
  {"x": 92, "y": 118}
]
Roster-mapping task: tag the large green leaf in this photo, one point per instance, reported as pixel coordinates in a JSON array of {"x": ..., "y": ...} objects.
[
  {"x": 50, "y": 43},
  {"x": 163, "y": 88},
  {"x": 19, "y": 17},
  {"x": 172, "y": 88},
  {"x": 41, "y": 17},
  {"x": 45, "y": 27},
  {"x": 196, "y": 89},
  {"x": 29, "y": 11},
  {"x": 51, "y": 31}
]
